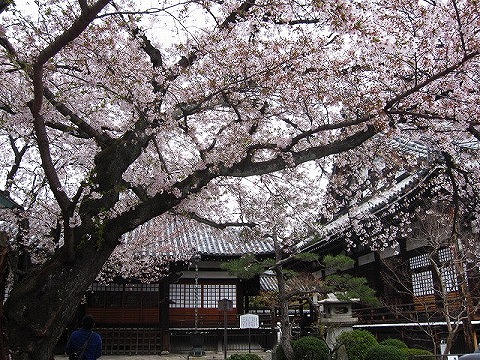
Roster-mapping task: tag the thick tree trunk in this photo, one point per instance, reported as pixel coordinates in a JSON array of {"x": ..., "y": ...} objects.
[
  {"x": 3, "y": 282},
  {"x": 469, "y": 332},
  {"x": 449, "y": 342},
  {"x": 285, "y": 326},
  {"x": 43, "y": 303}
]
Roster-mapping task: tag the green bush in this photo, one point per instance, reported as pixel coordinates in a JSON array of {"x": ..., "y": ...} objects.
[
  {"x": 248, "y": 356},
  {"x": 356, "y": 343},
  {"x": 278, "y": 354},
  {"x": 310, "y": 348},
  {"x": 395, "y": 343},
  {"x": 419, "y": 354},
  {"x": 385, "y": 352}
]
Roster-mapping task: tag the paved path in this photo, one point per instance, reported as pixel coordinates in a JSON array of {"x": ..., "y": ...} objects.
[{"x": 265, "y": 355}]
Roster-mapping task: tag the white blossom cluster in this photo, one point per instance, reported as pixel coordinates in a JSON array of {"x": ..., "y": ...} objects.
[{"x": 280, "y": 116}]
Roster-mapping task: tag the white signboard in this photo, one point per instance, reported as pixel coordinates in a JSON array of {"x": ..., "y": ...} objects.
[
  {"x": 249, "y": 321},
  {"x": 452, "y": 357}
]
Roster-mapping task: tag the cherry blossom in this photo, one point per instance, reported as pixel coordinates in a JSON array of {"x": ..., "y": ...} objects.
[{"x": 273, "y": 115}]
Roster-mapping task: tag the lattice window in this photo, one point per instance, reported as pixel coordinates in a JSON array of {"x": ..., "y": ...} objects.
[
  {"x": 229, "y": 292},
  {"x": 419, "y": 261},
  {"x": 123, "y": 295},
  {"x": 447, "y": 271},
  {"x": 218, "y": 292},
  {"x": 445, "y": 255},
  {"x": 177, "y": 299},
  {"x": 184, "y": 295},
  {"x": 189, "y": 296},
  {"x": 211, "y": 295},
  {"x": 97, "y": 298},
  {"x": 150, "y": 287},
  {"x": 449, "y": 278},
  {"x": 150, "y": 295},
  {"x": 97, "y": 287},
  {"x": 422, "y": 283}
]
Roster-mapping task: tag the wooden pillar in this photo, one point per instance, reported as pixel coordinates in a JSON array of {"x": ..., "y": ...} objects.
[
  {"x": 164, "y": 320},
  {"x": 242, "y": 298}
]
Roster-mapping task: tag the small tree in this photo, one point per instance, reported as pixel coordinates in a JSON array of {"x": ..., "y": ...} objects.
[
  {"x": 310, "y": 348},
  {"x": 357, "y": 343},
  {"x": 447, "y": 258},
  {"x": 345, "y": 285},
  {"x": 302, "y": 286},
  {"x": 414, "y": 354},
  {"x": 244, "y": 357}
]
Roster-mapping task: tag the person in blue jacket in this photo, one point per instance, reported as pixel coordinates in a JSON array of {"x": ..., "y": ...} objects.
[{"x": 79, "y": 337}]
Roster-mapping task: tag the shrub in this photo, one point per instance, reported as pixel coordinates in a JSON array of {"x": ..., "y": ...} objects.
[
  {"x": 356, "y": 343},
  {"x": 419, "y": 354},
  {"x": 395, "y": 343},
  {"x": 310, "y": 348},
  {"x": 278, "y": 354},
  {"x": 385, "y": 352},
  {"x": 248, "y": 356}
]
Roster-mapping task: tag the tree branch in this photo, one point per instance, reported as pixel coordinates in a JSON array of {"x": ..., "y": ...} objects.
[
  {"x": 4, "y": 5},
  {"x": 164, "y": 201},
  {"x": 18, "y": 158},
  {"x": 247, "y": 167},
  {"x": 324, "y": 127},
  {"x": 214, "y": 224},
  {"x": 87, "y": 131},
  {"x": 78, "y": 26},
  {"x": 472, "y": 130},
  {"x": 431, "y": 79},
  {"x": 459, "y": 23},
  {"x": 238, "y": 13}
]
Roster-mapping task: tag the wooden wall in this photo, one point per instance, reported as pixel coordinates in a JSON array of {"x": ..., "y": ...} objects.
[{"x": 118, "y": 316}]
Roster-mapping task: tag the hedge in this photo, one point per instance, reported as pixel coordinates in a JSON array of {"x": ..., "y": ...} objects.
[
  {"x": 385, "y": 352},
  {"x": 357, "y": 343},
  {"x": 419, "y": 354},
  {"x": 395, "y": 343},
  {"x": 310, "y": 348},
  {"x": 248, "y": 356}
]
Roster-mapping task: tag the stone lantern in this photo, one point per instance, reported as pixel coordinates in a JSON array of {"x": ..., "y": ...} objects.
[{"x": 336, "y": 316}]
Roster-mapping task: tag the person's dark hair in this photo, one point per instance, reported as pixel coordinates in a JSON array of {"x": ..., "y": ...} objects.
[{"x": 88, "y": 322}]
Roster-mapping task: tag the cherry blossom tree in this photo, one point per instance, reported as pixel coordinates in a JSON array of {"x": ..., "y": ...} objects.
[{"x": 116, "y": 112}]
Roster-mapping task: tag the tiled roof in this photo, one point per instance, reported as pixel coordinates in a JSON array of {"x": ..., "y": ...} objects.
[
  {"x": 326, "y": 233},
  {"x": 422, "y": 147},
  {"x": 411, "y": 147},
  {"x": 179, "y": 239}
]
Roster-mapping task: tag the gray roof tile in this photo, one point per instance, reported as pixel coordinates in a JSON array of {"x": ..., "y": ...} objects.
[{"x": 179, "y": 239}]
